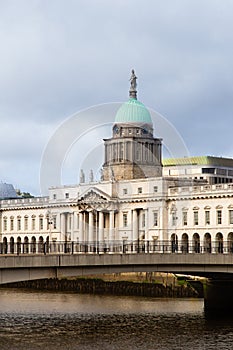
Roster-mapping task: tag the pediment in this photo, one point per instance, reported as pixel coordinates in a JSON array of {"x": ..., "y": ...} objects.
[{"x": 94, "y": 196}]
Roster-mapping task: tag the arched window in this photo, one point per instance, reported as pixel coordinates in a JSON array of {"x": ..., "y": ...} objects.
[
  {"x": 174, "y": 243},
  {"x": 41, "y": 245},
  {"x": 4, "y": 246},
  {"x": 26, "y": 245},
  {"x": 185, "y": 243},
  {"x": 12, "y": 245},
  {"x": 33, "y": 245},
  {"x": 207, "y": 243},
  {"x": 230, "y": 242},
  {"x": 19, "y": 248},
  {"x": 219, "y": 243},
  {"x": 196, "y": 243}
]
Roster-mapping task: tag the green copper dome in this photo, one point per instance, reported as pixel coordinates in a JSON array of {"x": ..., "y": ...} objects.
[{"x": 133, "y": 111}]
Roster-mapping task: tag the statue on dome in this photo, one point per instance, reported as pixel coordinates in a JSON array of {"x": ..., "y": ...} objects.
[{"x": 133, "y": 81}]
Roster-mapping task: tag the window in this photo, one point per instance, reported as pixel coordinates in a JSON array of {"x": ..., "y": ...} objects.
[
  {"x": 125, "y": 219},
  {"x": 139, "y": 190},
  {"x": 33, "y": 223},
  {"x": 185, "y": 218},
  {"x": 173, "y": 218},
  {"x": 155, "y": 188},
  {"x": 55, "y": 222},
  {"x": 12, "y": 224},
  {"x": 5, "y": 224},
  {"x": 125, "y": 191},
  {"x": 155, "y": 218},
  {"x": 54, "y": 196},
  {"x": 231, "y": 217},
  {"x": 41, "y": 223},
  {"x": 207, "y": 217},
  {"x": 26, "y": 223},
  {"x": 219, "y": 217},
  {"x": 18, "y": 223},
  {"x": 67, "y": 195},
  {"x": 195, "y": 217}
]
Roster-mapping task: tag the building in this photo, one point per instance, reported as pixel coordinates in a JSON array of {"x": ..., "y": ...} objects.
[{"x": 187, "y": 203}]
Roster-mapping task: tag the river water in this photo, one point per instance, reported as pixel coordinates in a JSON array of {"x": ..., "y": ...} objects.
[{"x": 57, "y": 320}]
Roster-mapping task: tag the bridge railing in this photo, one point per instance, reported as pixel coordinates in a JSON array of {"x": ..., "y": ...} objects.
[{"x": 111, "y": 247}]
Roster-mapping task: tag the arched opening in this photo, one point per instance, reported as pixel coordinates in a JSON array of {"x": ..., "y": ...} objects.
[
  {"x": 41, "y": 245},
  {"x": 196, "y": 243},
  {"x": 230, "y": 242},
  {"x": 12, "y": 245},
  {"x": 4, "y": 245},
  {"x": 47, "y": 244},
  {"x": 18, "y": 245},
  {"x": 26, "y": 245},
  {"x": 219, "y": 243},
  {"x": 184, "y": 243},
  {"x": 33, "y": 245},
  {"x": 174, "y": 243},
  {"x": 207, "y": 243}
]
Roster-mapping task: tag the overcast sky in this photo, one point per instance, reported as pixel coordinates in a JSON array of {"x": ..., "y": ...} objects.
[{"x": 61, "y": 56}]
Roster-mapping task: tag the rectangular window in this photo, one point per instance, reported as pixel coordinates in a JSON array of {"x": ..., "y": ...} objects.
[
  {"x": 41, "y": 223},
  {"x": 207, "y": 217},
  {"x": 174, "y": 219},
  {"x": 25, "y": 224},
  {"x": 155, "y": 188},
  {"x": 54, "y": 196},
  {"x": 55, "y": 222},
  {"x": 155, "y": 218},
  {"x": 125, "y": 191},
  {"x": 18, "y": 224},
  {"x": 12, "y": 224},
  {"x": 195, "y": 217},
  {"x": 139, "y": 190},
  {"x": 185, "y": 218},
  {"x": 125, "y": 219},
  {"x": 33, "y": 223},
  {"x": 67, "y": 195},
  {"x": 5, "y": 224},
  {"x": 219, "y": 217},
  {"x": 231, "y": 217}
]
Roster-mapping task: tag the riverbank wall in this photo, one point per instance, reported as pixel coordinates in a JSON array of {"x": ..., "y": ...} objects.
[{"x": 100, "y": 286}]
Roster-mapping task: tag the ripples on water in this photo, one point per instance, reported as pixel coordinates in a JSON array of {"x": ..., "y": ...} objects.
[{"x": 38, "y": 320}]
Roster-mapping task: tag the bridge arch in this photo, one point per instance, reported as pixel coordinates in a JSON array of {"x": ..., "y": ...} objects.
[
  {"x": 230, "y": 242},
  {"x": 185, "y": 243},
  {"x": 196, "y": 243},
  {"x": 219, "y": 242},
  {"x": 207, "y": 243}
]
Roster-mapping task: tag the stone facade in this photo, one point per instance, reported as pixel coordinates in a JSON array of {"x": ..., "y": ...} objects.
[{"x": 133, "y": 202}]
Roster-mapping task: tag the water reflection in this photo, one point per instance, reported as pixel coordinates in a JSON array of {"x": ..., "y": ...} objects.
[{"x": 37, "y": 320}]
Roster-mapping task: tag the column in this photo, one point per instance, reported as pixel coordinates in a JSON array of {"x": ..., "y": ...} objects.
[
  {"x": 101, "y": 226},
  {"x": 90, "y": 227},
  {"x": 111, "y": 226},
  {"x": 63, "y": 227},
  {"x": 135, "y": 225},
  {"x": 81, "y": 231},
  {"x": 71, "y": 218}
]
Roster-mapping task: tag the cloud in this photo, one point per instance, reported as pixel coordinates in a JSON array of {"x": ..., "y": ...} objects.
[{"x": 58, "y": 57}]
